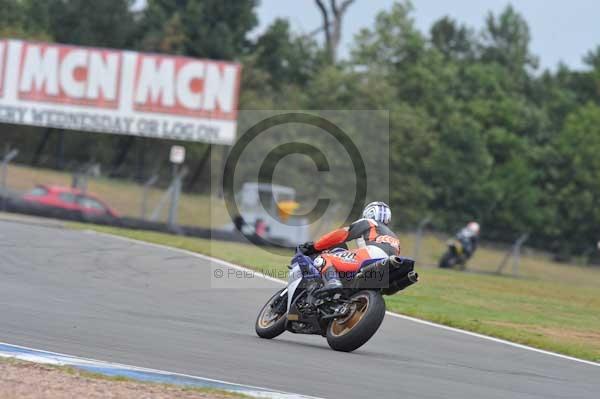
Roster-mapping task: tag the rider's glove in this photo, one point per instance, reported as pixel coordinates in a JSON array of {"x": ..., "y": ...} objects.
[{"x": 308, "y": 248}]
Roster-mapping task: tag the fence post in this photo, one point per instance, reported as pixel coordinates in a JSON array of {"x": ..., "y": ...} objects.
[
  {"x": 9, "y": 156},
  {"x": 174, "y": 197},
  {"x": 515, "y": 253},
  {"x": 161, "y": 203},
  {"x": 149, "y": 183},
  {"x": 175, "y": 193},
  {"x": 419, "y": 235},
  {"x": 81, "y": 176}
]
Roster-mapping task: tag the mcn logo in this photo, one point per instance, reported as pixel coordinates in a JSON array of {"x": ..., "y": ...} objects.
[
  {"x": 69, "y": 75},
  {"x": 184, "y": 86},
  {"x": 118, "y": 92},
  {"x": 112, "y": 79}
]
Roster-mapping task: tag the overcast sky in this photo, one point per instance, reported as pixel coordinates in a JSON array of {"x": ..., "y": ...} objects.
[{"x": 560, "y": 30}]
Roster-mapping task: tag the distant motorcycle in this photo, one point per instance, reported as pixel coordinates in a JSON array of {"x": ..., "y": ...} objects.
[
  {"x": 348, "y": 318},
  {"x": 455, "y": 256}
]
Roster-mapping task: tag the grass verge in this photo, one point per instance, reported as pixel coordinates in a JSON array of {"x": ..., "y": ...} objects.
[
  {"x": 26, "y": 379},
  {"x": 549, "y": 306}
]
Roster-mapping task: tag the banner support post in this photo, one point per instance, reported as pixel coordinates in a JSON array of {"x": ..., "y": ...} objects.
[
  {"x": 10, "y": 155},
  {"x": 174, "y": 197}
]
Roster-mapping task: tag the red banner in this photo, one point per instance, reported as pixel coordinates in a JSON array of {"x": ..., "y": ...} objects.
[{"x": 87, "y": 88}]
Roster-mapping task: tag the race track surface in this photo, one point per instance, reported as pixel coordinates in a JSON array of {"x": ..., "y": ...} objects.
[{"x": 109, "y": 299}]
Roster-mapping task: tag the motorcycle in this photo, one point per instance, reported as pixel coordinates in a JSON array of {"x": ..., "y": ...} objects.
[
  {"x": 455, "y": 255},
  {"x": 349, "y": 317}
]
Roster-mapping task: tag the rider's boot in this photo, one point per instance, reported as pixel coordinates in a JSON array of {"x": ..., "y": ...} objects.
[{"x": 332, "y": 281}]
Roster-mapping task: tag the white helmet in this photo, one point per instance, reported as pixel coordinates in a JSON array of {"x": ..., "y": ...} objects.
[
  {"x": 378, "y": 211},
  {"x": 473, "y": 227}
]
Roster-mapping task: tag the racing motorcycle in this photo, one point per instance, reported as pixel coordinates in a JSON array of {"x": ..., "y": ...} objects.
[
  {"x": 349, "y": 317},
  {"x": 455, "y": 255}
]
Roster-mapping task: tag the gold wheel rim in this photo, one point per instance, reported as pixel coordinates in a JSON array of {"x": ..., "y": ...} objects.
[
  {"x": 266, "y": 319},
  {"x": 343, "y": 326}
]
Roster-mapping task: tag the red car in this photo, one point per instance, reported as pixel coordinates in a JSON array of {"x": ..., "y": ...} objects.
[{"x": 70, "y": 199}]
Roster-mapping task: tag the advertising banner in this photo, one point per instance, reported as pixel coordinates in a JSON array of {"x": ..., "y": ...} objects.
[{"x": 118, "y": 92}]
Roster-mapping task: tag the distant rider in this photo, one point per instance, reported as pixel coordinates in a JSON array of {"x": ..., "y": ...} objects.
[
  {"x": 374, "y": 239},
  {"x": 468, "y": 236}
]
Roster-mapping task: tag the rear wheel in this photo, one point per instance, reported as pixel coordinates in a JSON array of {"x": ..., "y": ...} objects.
[
  {"x": 447, "y": 260},
  {"x": 272, "y": 317},
  {"x": 363, "y": 319}
]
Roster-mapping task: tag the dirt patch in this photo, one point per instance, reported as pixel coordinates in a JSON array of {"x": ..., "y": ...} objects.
[
  {"x": 591, "y": 338},
  {"x": 24, "y": 380}
]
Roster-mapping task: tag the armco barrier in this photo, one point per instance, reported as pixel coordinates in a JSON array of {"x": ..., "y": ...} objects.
[{"x": 17, "y": 205}]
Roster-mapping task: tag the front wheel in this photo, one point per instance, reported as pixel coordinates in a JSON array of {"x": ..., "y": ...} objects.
[
  {"x": 272, "y": 317},
  {"x": 352, "y": 331}
]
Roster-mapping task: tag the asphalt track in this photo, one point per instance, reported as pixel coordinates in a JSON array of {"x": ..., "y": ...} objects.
[{"x": 105, "y": 298}]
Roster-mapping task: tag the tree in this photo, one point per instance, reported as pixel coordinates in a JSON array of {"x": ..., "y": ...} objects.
[
  {"x": 289, "y": 59},
  {"x": 107, "y": 23},
  {"x": 393, "y": 43},
  {"x": 452, "y": 40},
  {"x": 474, "y": 131},
  {"x": 507, "y": 41},
  {"x": 11, "y": 13},
  {"x": 592, "y": 59},
  {"x": 332, "y": 24},
  {"x": 18, "y": 20},
  {"x": 573, "y": 183},
  {"x": 412, "y": 142},
  {"x": 199, "y": 28},
  {"x": 512, "y": 197},
  {"x": 460, "y": 166}
]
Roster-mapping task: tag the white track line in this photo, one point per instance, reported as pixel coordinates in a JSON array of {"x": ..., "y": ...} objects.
[
  {"x": 62, "y": 359},
  {"x": 498, "y": 340},
  {"x": 397, "y": 315}
]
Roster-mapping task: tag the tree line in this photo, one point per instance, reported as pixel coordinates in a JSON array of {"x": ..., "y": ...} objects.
[{"x": 478, "y": 129}]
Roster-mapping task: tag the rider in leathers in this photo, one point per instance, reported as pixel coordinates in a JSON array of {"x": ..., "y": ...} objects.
[
  {"x": 374, "y": 239},
  {"x": 469, "y": 237}
]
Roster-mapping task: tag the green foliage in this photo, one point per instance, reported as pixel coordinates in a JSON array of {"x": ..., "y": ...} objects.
[
  {"x": 575, "y": 179},
  {"x": 11, "y": 13},
  {"x": 452, "y": 40},
  {"x": 491, "y": 126},
  {"x": 393, "y": 42},
  {"x": 476, "y": 131},
  {"x": 287, "y": 59},
  {"x": 507, "y": 41},
  {"x": 24, "y": 19},
  {"x": 200, "y": 28},
  {"x": 106, "y": 23}
]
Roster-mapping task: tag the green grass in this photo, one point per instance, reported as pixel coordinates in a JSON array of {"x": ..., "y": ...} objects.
[
  {"x": 549, "y": 306},
  {"x": 125, "y": 196}
]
